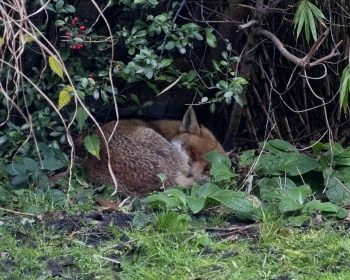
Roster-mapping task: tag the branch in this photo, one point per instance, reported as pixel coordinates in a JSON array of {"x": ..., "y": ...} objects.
[
  {"x": 248, "y": 24},
  {"x": 316, "y": 45},
  {"x": 280, "y": 46},
  {"x": 305, "y": 61}
]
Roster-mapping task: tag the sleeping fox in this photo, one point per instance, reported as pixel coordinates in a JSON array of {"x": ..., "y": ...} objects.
[{"x": 140, "y": 151}]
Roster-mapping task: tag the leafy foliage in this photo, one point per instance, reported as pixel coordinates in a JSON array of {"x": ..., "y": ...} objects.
[
  {"x": 345, "y": 88},
  {"x": 305, "y": 18}
]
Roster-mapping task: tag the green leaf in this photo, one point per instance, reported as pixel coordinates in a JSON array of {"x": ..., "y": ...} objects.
[
  {"x": 345, "y": 88},
  {"x": 5, "y": 196},
  {"x": 247, "y": 158},
  {"x": 19, "y": 180},
  {"x": 293, "y": 199},
  {"x": 271, "y": 188},
  {"x": 210, "y": 37},
  {"x": 65, "y": 96},
  {"x": 297, "y": 163},
  {"x": 92, "y": 145},
  {"x": 312, "y": 24},
  {"x": 298, "y": 221},
  {"x": 204, "y": 190},
  {"x": 69, "y": 8},
  {"x": 337, "y": 191},
  {"x": 15, "y": 168},
  {"x": 216, "y": 157},
  {"x": 165, "y": 62},
  {"x": 56, "y": 66},
  {"x": 81, "y": 117},
  {"x": 299, "y": 18},
  {"x": 237, "y": 201},
  {"x": 277, "y": 145},
  {"x": 220, "y": 172},
  {"x": 196, "y": 204},
  {"x": 30, "y": 164},
  {"x": 314, "y": 206},
  {"x": 60, "y": 22}
]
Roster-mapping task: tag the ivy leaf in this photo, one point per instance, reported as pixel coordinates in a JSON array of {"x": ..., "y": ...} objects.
[
  {"x": 56, "y": 66},
  {"x": 65, "y": 96},
  {"x": 92, "y": 145}
]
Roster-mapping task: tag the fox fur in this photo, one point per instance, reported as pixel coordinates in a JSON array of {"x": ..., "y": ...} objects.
[{"x": 140, "y": 150}]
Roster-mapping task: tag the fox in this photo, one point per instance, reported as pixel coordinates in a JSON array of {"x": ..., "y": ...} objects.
[{"x": 141, "y": 150}]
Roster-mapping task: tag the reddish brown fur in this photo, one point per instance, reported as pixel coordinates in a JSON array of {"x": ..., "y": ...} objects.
[
  {"x": 196, "y": 140},
  {"x": 138, "y": 155},
  {"x": 140, "y": 151}
]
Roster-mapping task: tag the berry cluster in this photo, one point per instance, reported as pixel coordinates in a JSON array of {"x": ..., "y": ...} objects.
[{"x": 76, "y": 30}]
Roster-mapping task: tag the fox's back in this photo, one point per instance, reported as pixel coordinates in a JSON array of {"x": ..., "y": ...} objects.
[{"x": 137, "y": 155}]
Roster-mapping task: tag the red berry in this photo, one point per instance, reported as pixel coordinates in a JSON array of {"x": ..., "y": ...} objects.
[
  {"x": 82, "y": 28},
  {"x": 68, "y": 34}
]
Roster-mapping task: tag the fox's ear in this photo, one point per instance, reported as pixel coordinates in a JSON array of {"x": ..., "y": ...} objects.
[{"x": 190, "y": 123}]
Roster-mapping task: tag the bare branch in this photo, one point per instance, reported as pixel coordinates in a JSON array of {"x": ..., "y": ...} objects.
[{"x": 305, "y": 61}]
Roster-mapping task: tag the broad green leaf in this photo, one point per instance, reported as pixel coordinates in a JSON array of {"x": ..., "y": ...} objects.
[
  {"x": 30, "y": 164},
  {"x": 338, "y": 192},
  {"x": 204, "y": 190},
  {"x": 270, "y": 188},
  {"x": 15, "y": 168},
  {"x": 247, "y": 158},
  {"x": 52, "y": 163},
  {"x": 81, "y": 117},
  {"x": 196, "y": 204},
  {"x": 19, "y": 180},
  {"x": 314, "y": 206},
  {"x": 65, "y": 96},
  {"x": 220, "y": 172},
  {"x": 278, "y": 145},
  {"x": 56, "y": 196},
  {"x": 216, "y": 157},
  {"x": 56, "y": 66},
  {"x": 237, "y": 201},
  {"x": 293, "y": 199},
  {"x": 298, "y": 221},
  {"x": 178, "y": 194},
  {"x": 92, "y": 145},
  {"x": 297, "y": 163}
]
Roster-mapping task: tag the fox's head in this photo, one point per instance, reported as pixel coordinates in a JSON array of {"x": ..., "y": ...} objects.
[{"x": 197, "y": 141}]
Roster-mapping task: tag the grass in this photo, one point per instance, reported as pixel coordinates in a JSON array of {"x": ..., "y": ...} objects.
[{"x": 172, "y": 246}]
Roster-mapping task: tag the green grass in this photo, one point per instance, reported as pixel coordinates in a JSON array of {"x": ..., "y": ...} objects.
[{"x": 172, "y": 246}]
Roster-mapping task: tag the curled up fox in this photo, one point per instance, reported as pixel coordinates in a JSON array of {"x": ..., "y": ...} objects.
[{"x": 140, "y": 151}]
